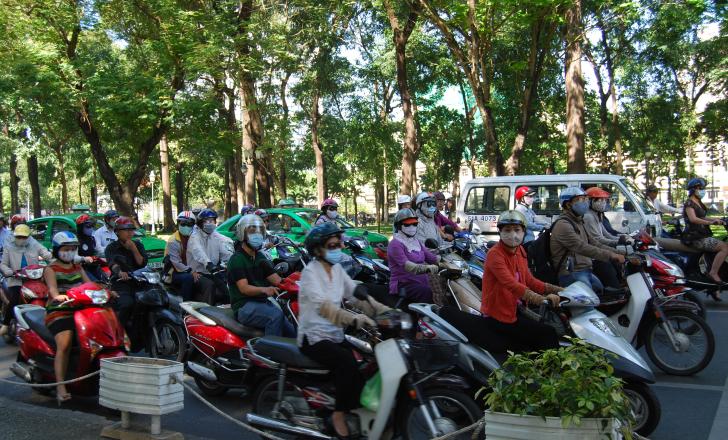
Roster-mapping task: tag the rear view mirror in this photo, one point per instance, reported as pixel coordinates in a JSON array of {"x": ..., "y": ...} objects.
[
  {"x": 475, "y": 229},
  {"x": 628, "y": 206},
  {"x": 281, "y": 268},
  {"x": 431, "y": 243}
]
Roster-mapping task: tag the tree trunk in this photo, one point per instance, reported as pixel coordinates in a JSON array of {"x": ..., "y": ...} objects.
[
  {"x": 179, "y": 186},
  {"x": 575, "y": 128},
  {"x": 252, "y": 134},
  {"x": 231, "y": 202},
  {"x": 32, "y": 164},
  {"x": 14, "y": 183},
  {"x": 469, "y": 128},
  {"x": 166, "y": 185},
  {"x": 93, "y": 194},
  {"x": 321, "y": 187},
  {"x": 615, "y": 127},
  {"x": 262, "y": 180},
  {"x": 58, "y": 151},
  {"x": 411, "y": 143}
]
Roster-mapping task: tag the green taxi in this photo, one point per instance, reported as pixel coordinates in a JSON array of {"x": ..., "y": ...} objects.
[
  {"x": 295, "y": 223},
  {"x": 44, "y": 228}
]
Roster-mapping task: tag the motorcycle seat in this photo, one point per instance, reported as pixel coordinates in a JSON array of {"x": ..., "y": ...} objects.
[
  {"x": 285, "y": 351},
  {"x": 224, "y": 316},
  {"x": 36, "y": 321}
]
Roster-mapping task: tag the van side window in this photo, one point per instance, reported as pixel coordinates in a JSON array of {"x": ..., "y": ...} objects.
[
  {"x": 547, "y": 199},
  {"x": 487, "y": 200}
]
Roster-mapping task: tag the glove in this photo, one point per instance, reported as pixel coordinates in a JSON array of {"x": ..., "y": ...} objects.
[
  {"x": 550, "y": 288},
  {"x": 553, "y": 299},
  {"x": 338, "y": 316},
  {"x": 532, "y": 297},
  {"x": 623, "y": 239},
  {"x": 420, "y": 268},
  {"x": 371, "y": 307},
  {"x": 210, "y": 267},
  {"x": 361, "y": 320}
]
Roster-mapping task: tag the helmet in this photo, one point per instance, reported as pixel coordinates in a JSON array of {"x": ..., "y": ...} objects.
[
  {"x": 246, "y": 209},
  {"x": 83, "y": 218},
  {"x": 402, "y": 215},
  {"x": 652, "y": 188},
  {"x": 21, "y": 230},
  {"x": 523, "y": 192},
  {"x": 597, "y": 193},
  {"x": 246, "y": 221},
  {"x": 696, "y": 181},
  {"x": 186, "y": 216},
  {"x": 439, "y": 196},
  {"x": 569, "y": 193},
  {"x": 64, "y": 238},
  {"x": 318, "y": 235},
  {"x": 124, "y": 223},
  {"x": 16, "y": 219},
  {"x": 329, "y": 203},
  {"x": 404, "y": 199},
  {"x": 286, "y": 202},
  {"x": 110, "y": 214},
  {"x": 447, "y": 195},
  {"x": 511, "y": 217},
  {"x": 206, "y": 214},
  {"x": 196, "y": 211},
  {"x": 262, "y": 213},
  {"x": 424, "y": 196}
]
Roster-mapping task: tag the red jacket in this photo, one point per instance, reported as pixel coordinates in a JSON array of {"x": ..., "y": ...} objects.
[{"x": 505, "y": 280}]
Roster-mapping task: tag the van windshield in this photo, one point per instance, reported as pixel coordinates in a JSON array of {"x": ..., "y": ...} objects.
[{"x": 646, "y": 205}]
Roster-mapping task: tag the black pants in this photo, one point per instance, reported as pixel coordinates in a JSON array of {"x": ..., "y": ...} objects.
[
  {"x": 13, "y": 296},
  {"x": 340, "y": 360},
  {"x": 607, "y": 273},
  {"x": 124, "y": 304}
]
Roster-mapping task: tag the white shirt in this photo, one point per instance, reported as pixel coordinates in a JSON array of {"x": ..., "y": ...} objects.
[
  {"x": 664, "y": 207},
  {"x": 203, "y": 248},
  {"x": 103, "y": 236},
  {"x": 314, "y": 288}
]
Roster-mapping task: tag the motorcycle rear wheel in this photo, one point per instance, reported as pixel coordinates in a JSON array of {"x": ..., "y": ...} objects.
[
  {"x": 645, "y": 407},
  {"x": 686, "y": 326},
  {"x": 173, "y": 341},
  {"x": 456, "y": 407},
  {"x": 266, "y": 396}
]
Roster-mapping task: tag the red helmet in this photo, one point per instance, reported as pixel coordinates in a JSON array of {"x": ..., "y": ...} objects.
[
  {"x": 597, "y": 193},
  {"x": 124, "y": 223},
  {"x": 523, "y": 192},
  {"x": 16, "y": 219},
  {"x": 83, "y": 218}
]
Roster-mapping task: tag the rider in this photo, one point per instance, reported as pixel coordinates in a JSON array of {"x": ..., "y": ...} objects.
[
  {"x": 426, "y": 206},
  {"x": 409, "y": 260},
  {"x": 247, "y": 209},
  {"x": 524, "y": 201},
  {"x": 441, "y": 220},
  {"x": 61, "y": 275},
  {"x": 506, "y": 280},
  {"x": 572, "y": 248},
  {"x": 329, "y": 212},
  {"x": 403, "y": 201},
  {"x": 182, "y": 275},
  {"x": 593, "y": 219},
  {"x": 4, "y": 232},
  {"x": 270, "y": 239},
  {"x": 252, "y": 280},
  {"x": 105, "y": 234},
  {"x": 206, "y": 249},
  {"x": 87, "y": 247},
  {"x": 125, "y": 255},
  {"x": 651, "y": 192},
  {"x": 322, "y": 287},
  {"x": 19, "y": 251},
  {"x": 15, "y": 220},
  {"x": 697, "y": 233}
]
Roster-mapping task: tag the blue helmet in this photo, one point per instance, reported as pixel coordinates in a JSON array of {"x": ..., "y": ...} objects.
[
  {"x": 696, "y": 181},
  {"x": 247, "y": 209},
  {"x": 205, "y": 214},
  {"x": 569, "y": 193},
  {"x": 110, "y": 214},
  {"x": 318, "y": 235}
]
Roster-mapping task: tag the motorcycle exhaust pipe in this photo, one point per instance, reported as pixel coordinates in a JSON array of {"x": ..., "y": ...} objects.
[
  {"x": 202, "y": 371},
  {"x": 22, "y": 370},
  {"x": 280, "y": 426}
]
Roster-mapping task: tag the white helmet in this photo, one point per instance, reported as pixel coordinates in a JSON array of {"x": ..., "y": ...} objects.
[
  {"x": 247, "y": 221},
  {"x": 403, "y": 199},
  {"x": 424, "y": 196}
]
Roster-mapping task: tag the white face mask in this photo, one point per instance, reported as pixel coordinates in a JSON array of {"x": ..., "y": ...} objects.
[
  {"x": 512, "y": 238},
  {"x": 21, "y": 242},
  {"x": 528, "y": 200},
  {"x": 67, "y": 256},
  {"x": 332, "y": 214},
  {"x": 599, "y": 205},
  {"x": 409, "y": 231}
]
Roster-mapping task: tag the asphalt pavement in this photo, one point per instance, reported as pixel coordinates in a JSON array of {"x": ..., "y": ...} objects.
[{"x": 694, "y": 408}]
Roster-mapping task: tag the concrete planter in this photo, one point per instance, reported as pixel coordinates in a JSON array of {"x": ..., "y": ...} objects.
[{"x": 513, "y": 426}]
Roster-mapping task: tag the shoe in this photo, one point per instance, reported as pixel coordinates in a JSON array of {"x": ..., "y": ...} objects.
[
  {"x": 714, "y": 294},
  {"x": 60, "y": 398}
]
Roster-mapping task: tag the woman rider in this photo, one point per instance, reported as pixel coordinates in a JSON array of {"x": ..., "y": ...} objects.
[{"x": 322, "y": 287}]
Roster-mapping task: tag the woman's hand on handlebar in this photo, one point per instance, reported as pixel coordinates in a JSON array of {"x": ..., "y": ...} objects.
[
  {"x": 60, "y": 299},
  {"x": 554, "y": 299}
]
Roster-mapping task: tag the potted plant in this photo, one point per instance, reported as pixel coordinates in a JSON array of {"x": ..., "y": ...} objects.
[{"x": 565, "y": 393}]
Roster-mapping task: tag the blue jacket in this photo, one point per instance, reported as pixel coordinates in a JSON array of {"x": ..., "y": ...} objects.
[{"x": 531, "y": 224}]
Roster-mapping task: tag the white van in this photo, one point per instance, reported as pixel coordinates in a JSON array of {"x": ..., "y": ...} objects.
[{"x": 484, "y": 198}]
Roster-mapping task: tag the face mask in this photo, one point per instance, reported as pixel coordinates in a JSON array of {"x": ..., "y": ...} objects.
[
  {"x": 580, "y": 208},
  {"x": 88, "y": 230},
  {"x": 600, "y": 205},
  {"x": 332, "y": 214},
  {"x": 429, "y": 211},
  {"x": 512, "y": 238},
  {"x": 255, "y": 241},
  {"x": 528, "y": 200},
  {"x": 185, "y": 230},
  {"x": 209, "y": 228},
  {"x": 334, "y": 256},
  {"x": 700, "y": 193},
  {"x": 67, "y": 256},
  {"x": 21, "y": 242},
  {"x": 409, "y": 231}
]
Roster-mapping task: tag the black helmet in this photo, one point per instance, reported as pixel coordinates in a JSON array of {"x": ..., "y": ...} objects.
[
  {"x": 402, "y": 215},
  {"x": 318, "y": 235}
]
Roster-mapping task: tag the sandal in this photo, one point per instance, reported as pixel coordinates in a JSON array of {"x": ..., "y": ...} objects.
[{"x": 60, "y": 398}]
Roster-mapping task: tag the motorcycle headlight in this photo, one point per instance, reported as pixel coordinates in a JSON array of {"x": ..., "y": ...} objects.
[
  {"x": 27, "y": 293},
  {"x": 97, "y": 296},
  {"x": 606, "y": 325},
  {"x": 152, "y": 277},
  {"x": 34, "y": 274}
]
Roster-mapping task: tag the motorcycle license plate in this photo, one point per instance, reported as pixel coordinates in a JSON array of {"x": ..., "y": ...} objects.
[{"x": 155, "y": 265}]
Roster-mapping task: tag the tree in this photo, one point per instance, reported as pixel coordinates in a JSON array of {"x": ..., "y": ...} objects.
[{"x": 575, "y": 125}]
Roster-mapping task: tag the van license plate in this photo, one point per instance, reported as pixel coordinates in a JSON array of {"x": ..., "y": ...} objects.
[{"x": 483, "y": 218}]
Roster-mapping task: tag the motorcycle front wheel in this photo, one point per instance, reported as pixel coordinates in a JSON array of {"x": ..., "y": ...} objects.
[
  {"x": 645, "y": 407},
  {"x": 693, "y": 347},
  {"x": 457, "y": 410},
  {"x": 172, "y": 341},
  {"x": 294, "y": 403}
]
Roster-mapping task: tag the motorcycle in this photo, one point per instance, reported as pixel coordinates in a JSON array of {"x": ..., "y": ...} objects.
[
  {"x": 32, "y": 291},
  {"x": 155, "y": 324},
  {"x": 362, "y": 267},
  {"x": 425, "y": 402},
  {"x": 98, "y": 269},
  {"x": 580, "y": 319},
  {"x": 294, "y": 256},
  {"x": 99, "y": 335}
]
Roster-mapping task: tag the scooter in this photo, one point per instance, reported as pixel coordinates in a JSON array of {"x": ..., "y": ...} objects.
[
  {"x": 581, "y": 319},
  {"x": 415, "y": 401},
  {"x": 99, "y": 335},
  {"x": 32, "y": 291},
  {"x": 363, "y": 268}
]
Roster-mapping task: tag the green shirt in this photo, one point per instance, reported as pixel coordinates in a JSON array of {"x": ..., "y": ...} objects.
[{"x": 254, "y": 269}]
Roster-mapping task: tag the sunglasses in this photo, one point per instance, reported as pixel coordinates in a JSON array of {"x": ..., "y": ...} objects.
[
  {"x": 190, "y": 223},
  {"x": 333, "y": 208},
  {"x": 431, "y": 203},
  {"x": 334, "y": 246},
  {"x": 411, "y": 224}
]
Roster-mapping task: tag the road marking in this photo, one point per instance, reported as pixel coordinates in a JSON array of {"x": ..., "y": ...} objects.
[
  {"x": 689, "y": 386},
  {"x": 720, "y": 420}
]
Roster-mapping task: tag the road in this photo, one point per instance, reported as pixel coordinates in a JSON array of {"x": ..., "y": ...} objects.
[{"x": 694, "y": 408}]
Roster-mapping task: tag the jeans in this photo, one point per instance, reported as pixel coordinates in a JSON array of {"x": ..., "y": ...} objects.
[
  {"x": 13, "y": 296},
  {"x": 585, "y": 276},
  {"x": 184, "y": 283},
  {"x": 267, "y": 316}
]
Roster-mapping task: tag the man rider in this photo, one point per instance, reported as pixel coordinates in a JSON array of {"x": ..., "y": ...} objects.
[
  {"x": 105, "y": 234},
  {"x": 572, "y": 248},
  {"x": 206, "y": 249},
  {"x": 252, "y": 280},
  {"x": 4, "y": 232},
  {"x": 651, "y": 192},
  {"x": 182, "y": 275},
  {"x": 329, "y": 212},
  {"x": 524, "y": 200},
  {"x": 124, "y": 256},
  {"x": 426, "y": 206}
]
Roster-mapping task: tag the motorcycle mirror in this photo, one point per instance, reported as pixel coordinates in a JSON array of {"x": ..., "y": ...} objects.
[
  {"x": 281, "y": 268},
  {"x": 431, "y": 243},
  {"x": 448, "y": 229}
]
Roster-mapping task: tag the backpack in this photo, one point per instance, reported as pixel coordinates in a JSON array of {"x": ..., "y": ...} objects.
[{"x": 539, "y": 255}]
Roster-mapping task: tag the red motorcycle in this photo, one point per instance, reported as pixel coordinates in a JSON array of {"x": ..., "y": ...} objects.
[
  {"x": 217, "y": 356},
  {"x": 32, "y": 291},
  {"x": 98, "y": 336}
]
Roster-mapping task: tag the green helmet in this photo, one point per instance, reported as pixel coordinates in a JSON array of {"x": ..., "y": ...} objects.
[{"x": 286, "y": 202}]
